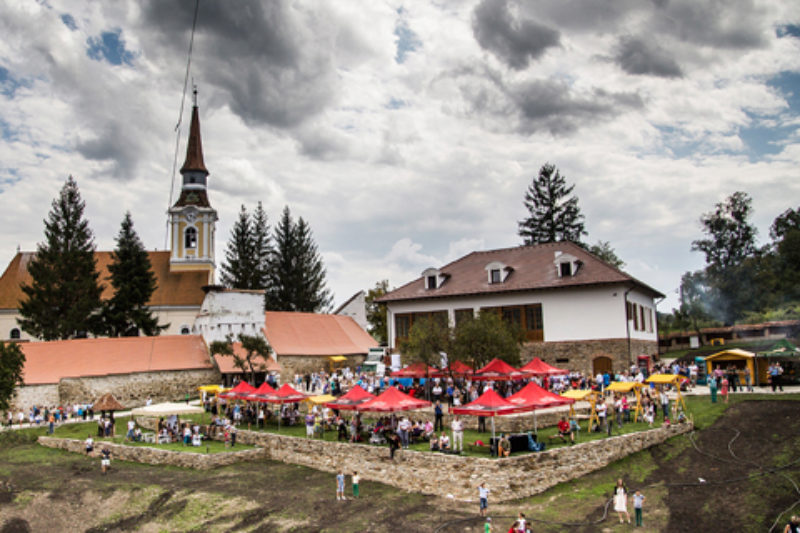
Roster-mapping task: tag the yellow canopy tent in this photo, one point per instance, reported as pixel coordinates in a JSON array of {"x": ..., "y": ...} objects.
[
  {"x": 335, "y": 361},
  {"x": 736, "y": 356},
  {"x": 211, "y": 389},
  {"x": 320, "y": 399},
  {"x": 625, "y": 387},
  {"x": 670, "y": 379},
  {"x": 586, "y": 395}
]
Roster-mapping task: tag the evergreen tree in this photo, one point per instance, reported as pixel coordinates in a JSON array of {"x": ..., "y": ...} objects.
[
  {"x": 126, "y": 314},
  {"x": 239, "y": 265},
  {"x": 63, "y": 299},
  {"x": 554, "y": 213},
  {"x": 262, "y": 248},
  {"x": 604, "y": 251},
  {"x": 12, "y": 361},
  {"x": 296, "y": 273}
]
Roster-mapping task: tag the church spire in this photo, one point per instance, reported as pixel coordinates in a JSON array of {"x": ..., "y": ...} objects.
[{"x": 194, "y": 148}]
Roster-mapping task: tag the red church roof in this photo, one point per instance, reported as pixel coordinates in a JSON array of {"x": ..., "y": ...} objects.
[{"x": 291, "y": 333}]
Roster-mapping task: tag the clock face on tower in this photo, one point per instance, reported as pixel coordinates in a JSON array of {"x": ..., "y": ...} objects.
[{"x": 191, "y": 216}]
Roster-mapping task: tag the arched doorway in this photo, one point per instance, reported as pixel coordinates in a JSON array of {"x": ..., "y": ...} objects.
[{"x": 601, "y": 365}]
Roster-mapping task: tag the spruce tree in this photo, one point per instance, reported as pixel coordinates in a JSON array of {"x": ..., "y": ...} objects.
[
  {"x": 63, "y": 299},
  {"x": 554, "y": 213},
  {"x": 296, "y": 273},
  {"x": 237, "y": 269},
  {"x": 126, "y": 314},
  {"x": 262, "y": 248}
]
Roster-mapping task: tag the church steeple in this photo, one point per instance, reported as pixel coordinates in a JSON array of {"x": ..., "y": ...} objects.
[
  {"x": 194, "y": 148},
  {"x": 192, "y": 218}
]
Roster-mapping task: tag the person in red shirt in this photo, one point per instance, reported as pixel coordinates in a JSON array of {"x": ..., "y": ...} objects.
[{"x": 564, "y": 431}]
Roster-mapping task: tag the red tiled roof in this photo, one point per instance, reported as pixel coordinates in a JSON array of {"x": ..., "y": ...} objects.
[
  {"x": 49, "y": 362},
  {"x": 291, "y": 333},
  {"x": 532, "y": 268},
  {"x": 226, "y": 366},
  {"x": 173, "y": 288}
]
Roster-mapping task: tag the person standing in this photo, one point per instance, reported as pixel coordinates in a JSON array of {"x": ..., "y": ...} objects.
[
  {"x": 712, "y": 388},
  {"x": 602, "y": 411},
  {"x": 340, "y": 486},
  {"x": 621, "y": 501},
  {"x": 724, "y": 390},
  {"x": 483, "y": 498},
  {"x": 521, "y": 526},
  {"x": 664, "y": 403},
  {"x": 356, "y": 479},
  {"x": 438, "y": 424},
  {"x": 458, "y": 434},
  {"x": 793, "y": 526},
  {"x": 394, "y": 444},
  {"x": 105, "y": 461},
  {"x": 638, "y": 502}
]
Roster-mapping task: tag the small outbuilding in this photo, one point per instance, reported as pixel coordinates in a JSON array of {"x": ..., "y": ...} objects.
[{"x": 733, "y": 356}]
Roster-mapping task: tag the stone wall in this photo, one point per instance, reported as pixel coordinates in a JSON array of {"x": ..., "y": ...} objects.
[
  {"x": 130, "y": 389},
  {"x": 155, "y": 456},
  {"x": 580, "y": 355},
  {"x": 458, "y": 476},
  {"x": 301, "y": 364}
]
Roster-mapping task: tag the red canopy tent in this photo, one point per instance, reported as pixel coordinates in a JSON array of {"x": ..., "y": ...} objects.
[
  {"x": 285, "y": 394},
  {"x": 238, "y": 391},
  {"x": 537, "y": 367},
  {"x": 532, "y": 397},
  {"x": 260, "y": 394},
  {"x": 456, "y": 368},
  {"x": 498, "y": 370},
  {"x": 351, "y": 400},
  {"x": 488, "y": 404},
  {"x": 415, "y": 370},
  {"x": 393, "y": 400}
]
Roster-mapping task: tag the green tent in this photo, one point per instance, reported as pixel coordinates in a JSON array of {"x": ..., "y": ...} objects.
[{"x": 782, "y": 348}]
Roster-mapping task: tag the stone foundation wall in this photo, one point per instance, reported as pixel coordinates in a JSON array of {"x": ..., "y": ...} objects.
[
  {"x": 134, "y": 389},
  {"x": 34, "y": 395},
  {"x": 302, "y": 364},
  {"x": 154, "y": 456},
  {"x": 130, "y": 389},
  {"x": 458, "y": 476},
  {"x": 581, "y": 354}
]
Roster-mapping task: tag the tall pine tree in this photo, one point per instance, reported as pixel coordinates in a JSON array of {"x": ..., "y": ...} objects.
[
  {"x": 296, "y": 272},
  {"x": 237, "y": 270},
  {"x": 126, "y": 314},
  {"x": 262, "y": 248},
  {"x": 554, "y": 213},
  {"x": 63, "y": 299}
]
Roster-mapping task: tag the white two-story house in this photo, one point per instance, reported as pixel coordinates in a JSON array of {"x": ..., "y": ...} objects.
[{"x": 577, "y": 311}]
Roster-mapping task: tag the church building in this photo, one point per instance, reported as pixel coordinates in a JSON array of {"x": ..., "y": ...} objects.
[{"x": 181, "y": 272}]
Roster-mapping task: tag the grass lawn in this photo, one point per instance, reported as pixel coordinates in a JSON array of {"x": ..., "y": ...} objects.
[{"x": 81, "y": 430}]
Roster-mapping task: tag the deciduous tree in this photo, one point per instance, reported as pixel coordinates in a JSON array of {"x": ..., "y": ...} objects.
[
  {"x": 12, "y": 360},
  {"x": 478, "y": 340},
  {"x": 376, "y": 312}
]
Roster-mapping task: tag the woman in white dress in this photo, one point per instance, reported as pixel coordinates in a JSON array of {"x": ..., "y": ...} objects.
[{"x": 621, "y": 501}]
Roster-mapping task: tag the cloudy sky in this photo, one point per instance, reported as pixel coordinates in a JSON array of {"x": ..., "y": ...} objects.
[{"x": 406, "y": 132}]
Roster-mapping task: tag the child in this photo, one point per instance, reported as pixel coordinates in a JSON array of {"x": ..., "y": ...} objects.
[
  {"x": 356, "y": 479},
  {"x": 105, "y": 461},
  {"x": 638, "y": 501},
  {"x": 340, "y": 486}
]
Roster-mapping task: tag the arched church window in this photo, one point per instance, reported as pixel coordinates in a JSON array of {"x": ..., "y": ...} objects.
[
  {"x": 191, "y": 238},
  {"x": 14, "y": 334}
]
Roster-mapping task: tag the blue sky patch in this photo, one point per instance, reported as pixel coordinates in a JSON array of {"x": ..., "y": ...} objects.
[
  {"x": 765, "y": 134},
  {"x": 111, "y": 47},
  {"x": 69, "y": 21},
  {"x": 9, "y": 84},
  {"x": 396, "y": 103},
  {"x": 788, "y": 30},
  {"x": 407, "y": 40}
]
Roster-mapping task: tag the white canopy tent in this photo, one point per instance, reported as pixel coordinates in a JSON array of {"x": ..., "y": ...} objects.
[{"x": 167, "y": 409}]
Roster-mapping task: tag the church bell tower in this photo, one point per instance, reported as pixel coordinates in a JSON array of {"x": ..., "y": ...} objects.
[{"x": 192, "y": 220}]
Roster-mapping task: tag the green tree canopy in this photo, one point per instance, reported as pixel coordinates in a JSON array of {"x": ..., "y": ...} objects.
[
  {"x": 126, "y": 313},
  {"x": 730, "y": 235},
  {"x": 427, "y": 339},
  {"x": 478, "y": 340},
  {"x": 256, "y": 351},
  {"x": 63, "y": 299},
  {"x": 237, "y": 269},
  {"x": 296, "y": 272},
  {"x": 376, "y": 312},
  {"x": 554, "y": 214},
  {"x": 12, "y": 361},
  {"x": 604, "y": 251}
]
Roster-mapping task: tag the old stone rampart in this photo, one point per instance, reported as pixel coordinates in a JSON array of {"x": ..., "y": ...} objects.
[
  {"x": 155, "y": 456},
  {"x": 458, "y": 476}
]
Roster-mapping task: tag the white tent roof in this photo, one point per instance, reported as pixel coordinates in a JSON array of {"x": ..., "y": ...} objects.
[{"x": 166, "y": 409}]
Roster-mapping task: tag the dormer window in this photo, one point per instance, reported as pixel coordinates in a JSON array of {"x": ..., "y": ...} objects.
[
  {"x": 497, "y": 272},
  {"x": 433, "y": 278},
  {"x": 567, "y": 265}
]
